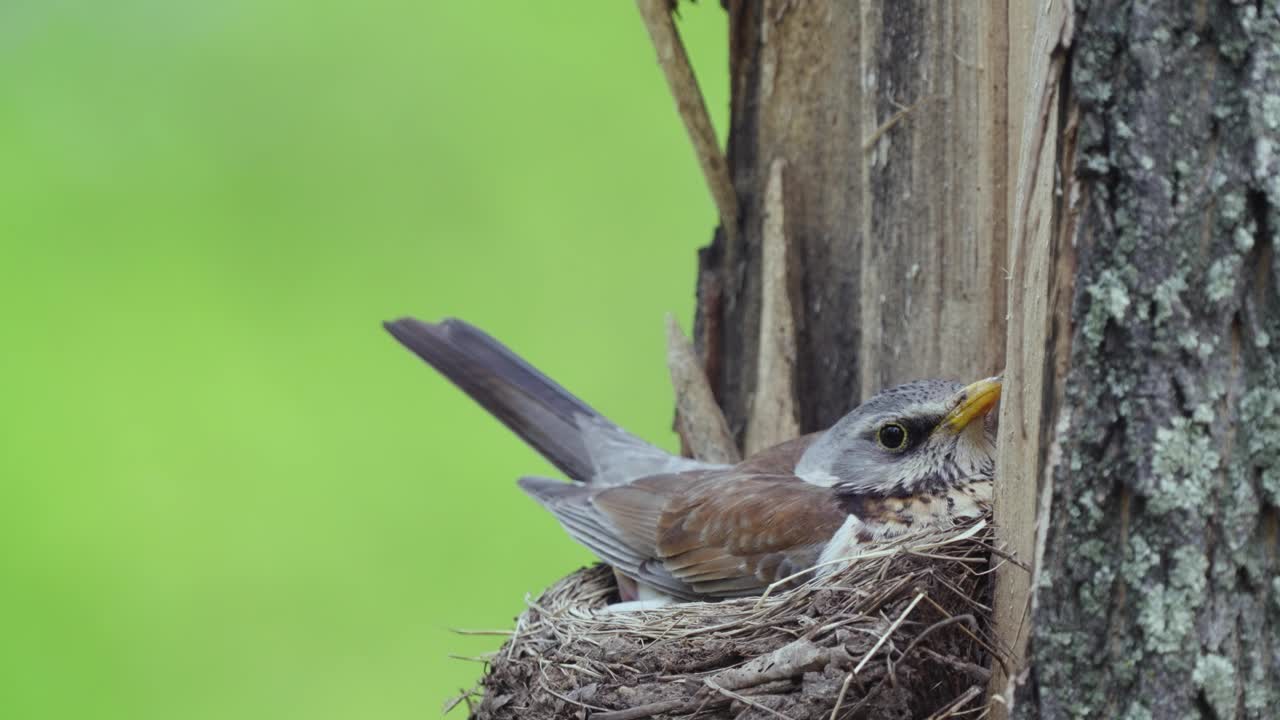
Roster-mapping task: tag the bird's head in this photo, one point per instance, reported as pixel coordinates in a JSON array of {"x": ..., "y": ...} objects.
[{"x": 922, "y": 437}]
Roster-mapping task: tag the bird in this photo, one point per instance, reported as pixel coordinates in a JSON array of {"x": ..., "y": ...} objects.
[{"x": 676, "y": 529}]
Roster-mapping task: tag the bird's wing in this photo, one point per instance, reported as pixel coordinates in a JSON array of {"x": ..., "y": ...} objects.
[
  {"x": 724, "y": 534},
  {"x": 703, "y": 533},
  {"x": 573, "y": 504}
]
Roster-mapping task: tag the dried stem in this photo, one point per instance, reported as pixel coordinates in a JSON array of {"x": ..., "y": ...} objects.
[{"x": 693, "y": 110}]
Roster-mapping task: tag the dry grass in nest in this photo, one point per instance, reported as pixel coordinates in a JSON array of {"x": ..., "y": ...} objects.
[{"x": 903, "y": 632}]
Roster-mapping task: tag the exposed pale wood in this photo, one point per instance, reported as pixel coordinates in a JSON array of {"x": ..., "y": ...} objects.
[
  {"x": 699, "y": 421},
  {"x": 932, "y": 298},
  {"x": 693, "y": 109},
  {"x": 1035, "y": 308},
  {"x": 773, "y": 406},
  {"x": 897, "y": 250}
]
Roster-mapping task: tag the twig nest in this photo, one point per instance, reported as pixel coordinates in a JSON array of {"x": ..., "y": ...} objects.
[{"x": 902, "y": 632}]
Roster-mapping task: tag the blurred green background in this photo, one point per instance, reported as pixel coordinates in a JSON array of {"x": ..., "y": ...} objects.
[{"x": 225, "y": 492}]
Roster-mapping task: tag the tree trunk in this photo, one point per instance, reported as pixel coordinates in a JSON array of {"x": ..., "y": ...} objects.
[
  {"x": 883, "y": 126},
  {"x": 1157, "y": 591},
  {"x": 913, "y": 179}
]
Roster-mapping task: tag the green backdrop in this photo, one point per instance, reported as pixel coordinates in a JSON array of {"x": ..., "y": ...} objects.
[{"x": 225, "y": 492}]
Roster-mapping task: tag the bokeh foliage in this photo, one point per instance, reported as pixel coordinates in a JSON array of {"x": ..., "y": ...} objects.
[{"x": 225, "y": 493}]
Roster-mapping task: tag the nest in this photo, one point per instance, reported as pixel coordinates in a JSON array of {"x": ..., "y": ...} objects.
[{"x": 902, "y": 632}]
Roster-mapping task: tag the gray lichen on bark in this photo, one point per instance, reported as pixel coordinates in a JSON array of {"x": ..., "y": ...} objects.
[{"x": 1158, "y": 595}]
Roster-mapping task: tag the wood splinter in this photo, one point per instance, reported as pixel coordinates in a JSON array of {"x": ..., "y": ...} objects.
[
  {"x": 699, "y": 420},
  {"x": 773, "y": 407}
]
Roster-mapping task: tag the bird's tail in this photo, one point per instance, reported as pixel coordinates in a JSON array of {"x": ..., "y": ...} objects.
[{"x": 565, "y": 430}]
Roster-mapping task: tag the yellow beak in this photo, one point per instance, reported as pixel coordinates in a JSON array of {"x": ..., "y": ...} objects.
[{"x": 973, "y": 402}]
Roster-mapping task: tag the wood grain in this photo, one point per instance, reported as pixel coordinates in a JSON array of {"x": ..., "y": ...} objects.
[
  {"x": 892, "y": 120},
  {"x": 1038, "y": 310}
]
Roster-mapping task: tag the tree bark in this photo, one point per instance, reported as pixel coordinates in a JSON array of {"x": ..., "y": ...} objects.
[
  {"x": 1157, "y": 591},
  {"x": 933, "y": 189}
]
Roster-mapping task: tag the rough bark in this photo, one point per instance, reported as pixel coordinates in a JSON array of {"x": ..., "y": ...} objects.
[{"x": 1157, "y": 593}]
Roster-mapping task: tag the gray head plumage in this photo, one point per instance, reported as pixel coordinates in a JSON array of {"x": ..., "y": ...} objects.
[{"x": 921, "y": 437}]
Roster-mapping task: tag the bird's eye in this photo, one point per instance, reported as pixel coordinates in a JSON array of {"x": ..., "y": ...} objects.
[{"x": 892, "y": 436}]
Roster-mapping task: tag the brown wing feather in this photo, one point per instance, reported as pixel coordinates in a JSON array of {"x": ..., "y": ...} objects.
[
  {"x": 725, "y": 533},
  {"x": 572, "y": 505},
  {"x": 637, "y": 508},
  {"x": 720, "y": 567},
  {"x": 762, "y": 527},
  {"x": 706, "y": 533}
]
